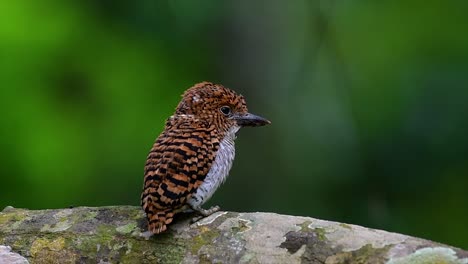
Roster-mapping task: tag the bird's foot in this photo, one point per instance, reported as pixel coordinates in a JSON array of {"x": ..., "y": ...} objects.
[
  {"x": 207, "y": 212},
  {"x": 146, "y": 235},
  {"x": 204, "y": 212}
]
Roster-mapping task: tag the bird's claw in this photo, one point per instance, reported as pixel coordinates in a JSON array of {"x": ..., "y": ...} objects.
[
  {"x": 204, "y": 213},
  {"x": 196, "y": 219},
  {"x": 146, "y": 235}
]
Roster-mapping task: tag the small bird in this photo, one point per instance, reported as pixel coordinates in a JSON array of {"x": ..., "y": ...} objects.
[{"x": 192, "y": 157}]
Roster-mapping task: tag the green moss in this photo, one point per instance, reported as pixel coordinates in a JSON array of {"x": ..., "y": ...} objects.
[
  {"x": 11, "y": 217},
  {"x": 44, "y": 250},
  {"x": 107, "y": 242},
  {"x": 305, "y": 226},
  {"x": 78, "y": 216},
  {"x": 106, "y": 231},
  {"x": 163, "y": 248},
  {"x": 345, "y": 226},
  {"x": 205, "y": 237},
  {"x": 171, "y": 253},
  {"x": 22, "y": 242},
  {"x": 136, "y": 215},
  {"x": 57, "y": 227},
  {"x": 4, "y": 218},
  {"x": 11, "y": 220},
  {"x": 366, "y": 254},
  {"x": 93, "y": 244},
  {"x": 126, "y": 229},
  {"x": 320, "y": 232},
  {"x": 241, "y": 227},
  {"x": 89, "y": 216},
  {"x": 41, "y": 243},
  {"x": 110, "y": 244},
  {"x": 129, "y": 212}
]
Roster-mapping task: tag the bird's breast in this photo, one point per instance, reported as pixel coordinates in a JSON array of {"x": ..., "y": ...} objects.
[{"x": 219, "y": 170}]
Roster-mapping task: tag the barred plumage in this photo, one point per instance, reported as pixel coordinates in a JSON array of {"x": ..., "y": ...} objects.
[{"x": 194, "y": 153}]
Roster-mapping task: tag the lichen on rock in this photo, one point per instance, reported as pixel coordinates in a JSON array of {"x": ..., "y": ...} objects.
[
  {"x": 111, "y": 235},
  {"x": 430, "y": 255}
]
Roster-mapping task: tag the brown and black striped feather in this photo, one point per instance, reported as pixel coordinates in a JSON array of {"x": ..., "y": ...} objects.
[{"x": 176, "y": 166}]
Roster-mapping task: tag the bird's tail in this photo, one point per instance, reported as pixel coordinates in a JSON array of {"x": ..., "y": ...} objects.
[{"x": 158, "y": 221}]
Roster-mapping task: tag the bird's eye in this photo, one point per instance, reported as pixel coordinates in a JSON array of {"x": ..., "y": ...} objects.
[{"x": 226, "y": 110}]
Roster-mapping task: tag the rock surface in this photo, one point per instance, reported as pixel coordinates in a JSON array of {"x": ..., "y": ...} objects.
[{"x": 112, "y": 235}]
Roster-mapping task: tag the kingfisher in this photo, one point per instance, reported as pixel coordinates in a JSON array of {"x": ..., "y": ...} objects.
[{"x": 192, "y": 156}]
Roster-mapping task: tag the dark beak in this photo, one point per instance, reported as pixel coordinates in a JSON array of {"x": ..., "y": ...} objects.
[{"x": 249, "y": 119}]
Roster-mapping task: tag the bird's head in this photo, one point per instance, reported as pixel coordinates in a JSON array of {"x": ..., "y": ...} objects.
[{"x": 219, "y": 104}]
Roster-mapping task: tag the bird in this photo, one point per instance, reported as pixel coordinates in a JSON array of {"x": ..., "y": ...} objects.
[{"x": 192, "y": 156}]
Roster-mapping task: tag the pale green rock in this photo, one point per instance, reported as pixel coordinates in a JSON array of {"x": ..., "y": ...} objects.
[
  {"x": 126, "y": 229},
  {"x": 58, "y": 227},
  {"x": 439, "y": 255}
]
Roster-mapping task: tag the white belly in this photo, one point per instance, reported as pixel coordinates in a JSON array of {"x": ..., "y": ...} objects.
[{"x": 219, "y": 170}]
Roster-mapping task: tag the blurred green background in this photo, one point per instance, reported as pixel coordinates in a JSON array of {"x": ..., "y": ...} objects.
[{"x": 368, "y": 99}]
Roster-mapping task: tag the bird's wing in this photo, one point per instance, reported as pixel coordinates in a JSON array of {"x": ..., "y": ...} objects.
[{"x": 177, "y": 165}]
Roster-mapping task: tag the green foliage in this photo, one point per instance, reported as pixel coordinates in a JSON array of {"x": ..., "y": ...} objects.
[{"x": 368, "y": 102}]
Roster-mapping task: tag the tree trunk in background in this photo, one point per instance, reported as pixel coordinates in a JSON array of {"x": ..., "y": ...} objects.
[{"x": 112, "y": 235}]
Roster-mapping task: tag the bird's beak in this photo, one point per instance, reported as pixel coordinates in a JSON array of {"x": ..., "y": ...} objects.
[{"x": 249, "y": 119}]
